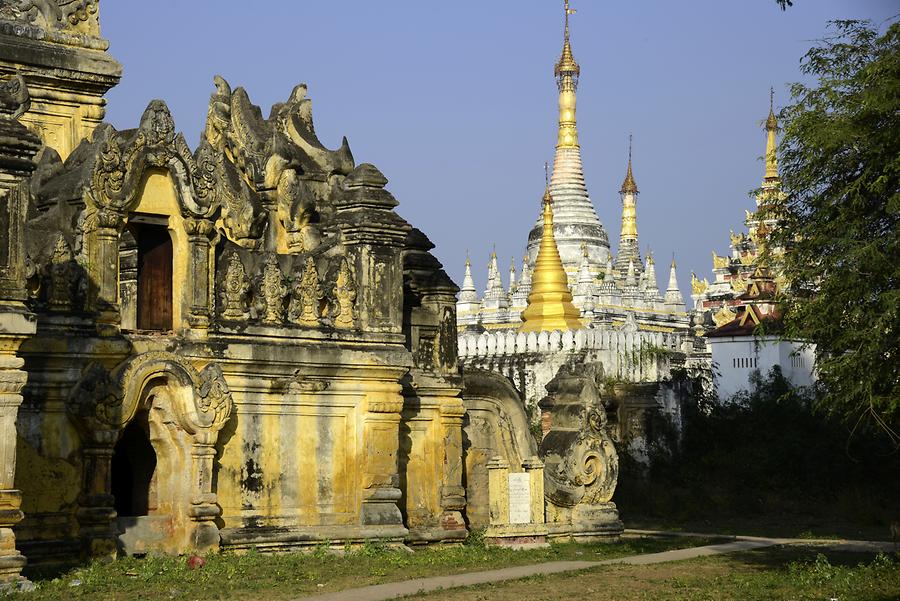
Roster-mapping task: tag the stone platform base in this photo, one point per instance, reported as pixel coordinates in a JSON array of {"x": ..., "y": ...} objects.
[
  {"x": 598, "y": 523},
  {"x": 276, "y": 539},
  {"x": 514, "y": 536}
]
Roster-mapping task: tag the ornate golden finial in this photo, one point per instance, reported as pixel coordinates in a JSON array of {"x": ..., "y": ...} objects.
[
  {"x": 629, "y": 186},
  {"x": 567, "y": 72},
  {"x": 550, "y": 301},
  {"x": 771, "y": 122},
  {"x": 771, "y": 147},
  {"x": 566, "y": 63}
]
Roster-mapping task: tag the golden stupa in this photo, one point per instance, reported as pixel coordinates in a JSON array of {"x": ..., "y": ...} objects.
[{"x": 550, "y": 301}]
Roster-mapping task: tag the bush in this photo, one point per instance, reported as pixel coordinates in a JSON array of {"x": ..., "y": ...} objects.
[{"x": 765, "y": 453}]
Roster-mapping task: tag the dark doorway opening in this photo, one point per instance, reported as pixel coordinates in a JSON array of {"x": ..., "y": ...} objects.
[
  {"x": 133, "y": 464},
  {"x": 154, "y": 278}
]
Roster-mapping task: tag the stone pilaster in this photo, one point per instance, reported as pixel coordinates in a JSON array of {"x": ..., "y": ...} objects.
[
  {"x": 96, "y": 514},
  {"x": 204, "y": 507},
  {"x": 17, "y": 149},
  {"x": 104, "y": 270},
  {"x": 381, "y": 480},
  {"x": 12, "y": 379},
  {"x": 199, "y": 232},
  {"x": 453, "y": 494},
  {"x": 373, "y": 235}
]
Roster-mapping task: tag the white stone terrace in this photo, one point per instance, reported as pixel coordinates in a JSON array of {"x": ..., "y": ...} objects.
[{"x": 634, "y": 356}]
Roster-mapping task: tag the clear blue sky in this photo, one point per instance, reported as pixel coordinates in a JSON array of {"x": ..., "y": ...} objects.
[{"x": 455, "y": 101}]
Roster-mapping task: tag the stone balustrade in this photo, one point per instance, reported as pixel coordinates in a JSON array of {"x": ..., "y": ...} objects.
[{"x": 636, "y": 356}]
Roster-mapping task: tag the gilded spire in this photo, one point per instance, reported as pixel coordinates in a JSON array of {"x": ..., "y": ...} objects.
[
  {"x": 629, "y": 186},
  {"x": 550, "y": 301},
  {"x": 567, "y": 72},
  {"x": 771, "y": 147}
]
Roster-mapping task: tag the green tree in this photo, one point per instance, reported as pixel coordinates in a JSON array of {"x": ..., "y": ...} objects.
[{"x": 840, "y": 164}]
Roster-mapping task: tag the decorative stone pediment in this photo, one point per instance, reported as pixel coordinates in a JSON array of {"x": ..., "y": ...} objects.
[
  {"x": 108, "y": 399},
  {"x": 125, "y": 157}
]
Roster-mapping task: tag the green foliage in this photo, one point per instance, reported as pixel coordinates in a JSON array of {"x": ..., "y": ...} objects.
[
  {"x": 766, "y": 454},
  {"x": 840, "y": 165}
]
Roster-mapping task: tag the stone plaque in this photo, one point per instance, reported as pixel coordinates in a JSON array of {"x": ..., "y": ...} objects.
[{"x": 520, "y": 498}]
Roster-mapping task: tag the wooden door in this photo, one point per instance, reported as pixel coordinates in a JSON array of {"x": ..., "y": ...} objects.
[{"x": 154, "y": 275}]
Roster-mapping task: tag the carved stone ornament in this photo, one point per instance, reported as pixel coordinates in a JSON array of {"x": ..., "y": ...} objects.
[
  {"x": 123, "y": 160},
  {"x": 307, "y": 297},
  {"x": 109, "y": 399},
  {"x": 77, "y": 16},
  {"x": 345, "y": 292},
  {"x": 14, "y": 97},
  {"x": 235, "y": 290},
  {"x": 583, "y": 465},
  {"x": 272, "y": 291},
  {"x": 698, "y": 286},
  {"x": 63, "y": 276}
]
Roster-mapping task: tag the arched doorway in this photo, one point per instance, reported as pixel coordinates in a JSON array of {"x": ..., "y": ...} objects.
[
  {"x": 133, "y": 469},
  {"x": 151, "y": 467}
]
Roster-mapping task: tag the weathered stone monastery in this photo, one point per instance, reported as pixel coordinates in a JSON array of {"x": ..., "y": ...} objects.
[{"x": 242, "y": 344}]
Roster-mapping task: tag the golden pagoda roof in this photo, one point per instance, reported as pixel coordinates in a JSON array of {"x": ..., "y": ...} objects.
[{"x": 550, "y": 301}]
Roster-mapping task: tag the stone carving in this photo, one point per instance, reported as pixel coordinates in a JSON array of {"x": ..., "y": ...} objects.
[
  {"x": 296, "y": 210},
  {"x": 578, "y": 451},
  {"x": 307, "y": 297},
  {"x": 63, "y": 276},
  {"x": 584, "y": 461},
  {"x": 235, "y": 290},
  {"x": 272, "y": 291},
  {"x": 123, "y": 159},
  {"x": 14, "y": 97},
  {"x": 108, "y": 400},
  {"x": 345, "y": 293},
  {"x": 78, "y": 16},
  {"x": 94, "y": 401},
  {"x": 212, "y": 398}
]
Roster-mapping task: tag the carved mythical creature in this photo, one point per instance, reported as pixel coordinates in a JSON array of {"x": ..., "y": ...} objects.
[
  {"x": 296, "y": 209},
  {"x": 273, "y": 291},
  {"x": 345, "y": 292},
  {"x": 307, "y": 296},
  {"x": 720, "y": 262},
  {"x": 698, "y": 286},
  {"x": 234, "y": 292}
]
